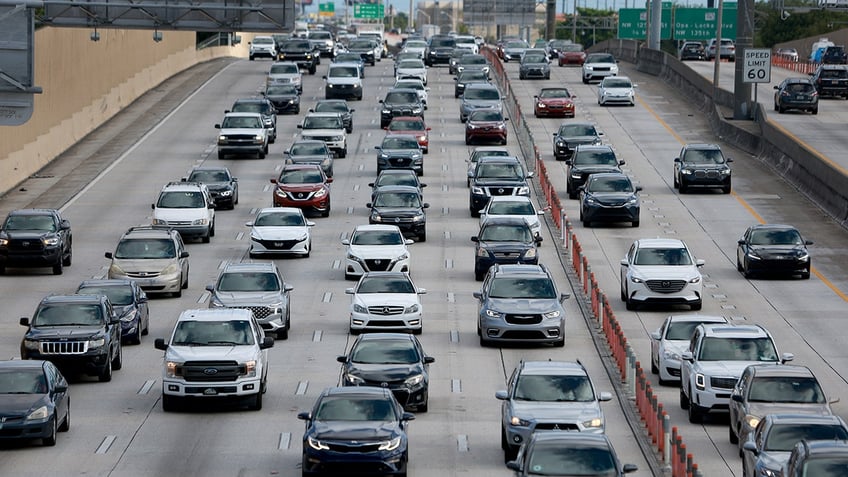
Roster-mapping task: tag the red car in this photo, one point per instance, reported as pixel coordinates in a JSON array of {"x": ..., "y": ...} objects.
[
  {"x": 554, "y": 102},
  {"x": 487, "y": 125},
  {"x": 412, "y": 125},
  {"x": 304, "y": 186},
  {"x": 572, "y": 54}
]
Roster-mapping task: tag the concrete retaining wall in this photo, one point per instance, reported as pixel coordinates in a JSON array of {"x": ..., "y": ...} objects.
[{"x": 85, "y": 83}]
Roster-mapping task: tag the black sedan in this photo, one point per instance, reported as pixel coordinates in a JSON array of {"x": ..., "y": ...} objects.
[
  {"x": 567, "y": 454},
  {"x": 223, "y": 187},
  {"x": 609, "y": 197},
  {"x": 773, "y": 248},
  {"x": 284, "y": 97},
  {"x": 129, "y": 302},
  {"x": 392, "y": 360},
  {"x": 355, "y": 428},
  {"x": 34, "y": 401},
  {"x": 336, "y": 106},
  {"x": 796, "y": 93}
]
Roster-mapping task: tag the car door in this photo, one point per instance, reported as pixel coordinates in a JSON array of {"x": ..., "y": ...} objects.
[
  {"x": 738, "y": 409},
  {"x": 742, "y": 247},
  {"x": 142, "y": 301},
  {"x": 656, "y": 344}
]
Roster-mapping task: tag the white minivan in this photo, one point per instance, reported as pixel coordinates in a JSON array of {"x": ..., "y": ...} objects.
[{"x": 186, "y": 207}]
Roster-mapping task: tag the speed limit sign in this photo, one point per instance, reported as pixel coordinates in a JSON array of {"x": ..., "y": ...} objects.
[{"x": 757, "y": 65}]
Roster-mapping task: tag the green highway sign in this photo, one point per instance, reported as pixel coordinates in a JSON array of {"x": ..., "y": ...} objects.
[
  {"x": 368, "y": 10},
  {"x": 700, "y": 23},
  {"x": 633, "y": 23},
  {"x": 326, "y": 9}
]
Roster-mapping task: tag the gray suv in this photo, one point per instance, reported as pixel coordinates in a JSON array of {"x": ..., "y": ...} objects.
[
  {"x": 520, "y": 304},
  {"x": 548, "y": 396},
  {"x": 479, "y": 96},
  {"x": 258, "y": 287}
]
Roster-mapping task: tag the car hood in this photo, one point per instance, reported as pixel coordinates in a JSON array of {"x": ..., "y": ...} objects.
[
  {"x": 481, "y": 103},
  {"x": 354, "y": 430},
  {"x": 532, "y": 220},
  {"x": 578, "y": 139},
  {"x": 665, "y": 272},
  {"x": 708, "y": 167},
  {"x": 153, "y": 265},
  {"x": 280, "y": 233},
  {"x": 410, "y": 71},
  {"x": 726, "y": 368},
  {"x": 26, "y": 234},
  {"x": 483, "y": 124},
  {"x": 300, "y": 187},
  {"x": 233, "y": 299},
  {"x": 381, "y": 299},
  {"x": 15, "y": 405},
  {"x": 560, "y": 411},
  {"x": 180, "y": 214},
  {"x": 343, "y": 80},
  {"x": 598, "y": 65},
  {"x": 242, "y": 131},
  {"x": 286, "y": 76},
  {"x": 534, "y": 64},
  {"x": 400, "y": 152},
  {"x": 217, "y": 186},
  {"x": 517, "y": 182},
  {"x": 278, "y": 98},
  {"x": 307, "y": 159},
  {"x": 773, "y": 251},
  {"x": 401, "y": 105},
  {"x": 60, "y": 332},
  {"x": 514, "y": 51},
  {"x": 415, "y": 133},
  {"x": 384, "y": 372},
  {"x": 523, "y": 306},
  {"x": 377, "y": 251},
  {"x": 618, "y": 90},
  {"x": 613, "y": 198},
  {"x": 555, "y": 101},
  {"x": 397, "y": 211},
  {"x": 501, "y": 247},
  {"x": 676, "y": 346},
  {"x": 182, "y": 354},
  {"x": 322, "y": 132},
  {"x": 773, "y": 459},
  {"x": 763, "y": 408}
]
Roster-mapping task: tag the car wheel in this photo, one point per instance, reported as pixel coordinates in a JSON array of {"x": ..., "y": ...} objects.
[
  {"x": 560, "y": 343},
  {"x": 170, "y": 403},
  {"x": 696, "y": 306},
  {"x": 586, "y": 223},
  {"x": 585, "y": 81},
  {"x": 422, "y": 237},
  {"x": 221, "y": 155},
  {"x": 326, "y": 213},
  {"x": 629, "y": 304},
  {"x": 261, "y": 154},
  {"x": 635, "y": 223},
  {"x": 684, "y": 401},
  {"x": 731, "y": 434},
  {"x": 355, "y": 332},
  {"x": 106, "y": 373},
  {"x": 136, "y": 340},
  {"x": 212, "y": 229},
  {"x": 815, "y": 110},
  {"x": 118, "y": 359},
  {"x": 775, "y": 107},
  {"x": 676, "y": 184},
  {"x": 343, "y": 154},
  {"x": 479, "y": 276},
  {"x": 58, "y": 268},
  {"x": 654, "y": 368},
  {"x": 255, "y": 401},
  {"x": 805, "y": 275},
  {"x": 504, "y": 442},
  {"x": 206, "y": 238},
  {"x": 623, "y": 294},
  {"x": 426, "y": 405},
  {"x": 349, "y": 130},
  {"x": 251, "y": 57},
  {"x": 696, "y": 415},
  {"x": 725, "y": 189},
  {"x": 467, "y": 141},
  {"x": 2, "y": 269},
  {"x": 682, "y": 187},
  {"x": 50, "y": 440},
  {"x": 66, "y": 423},
  {"x": 66, "y": 261}
]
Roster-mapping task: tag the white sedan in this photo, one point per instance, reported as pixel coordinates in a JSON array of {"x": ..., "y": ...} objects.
[
  {"x": 669, "y": 342},
  {"x": 412, "y": 69},
  {"x": 280, "y": 231},
  {"x": 376, "y": 247},
  {"x": 385, "y": 301},
  {"x": 616, "y": 89}
]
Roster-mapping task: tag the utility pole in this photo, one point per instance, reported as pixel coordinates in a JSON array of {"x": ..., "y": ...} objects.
[{"x": 743, "y": 107}]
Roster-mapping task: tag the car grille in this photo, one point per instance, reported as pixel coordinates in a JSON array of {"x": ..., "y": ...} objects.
[
  {"x": 723, "y": 383},
  {"x": 204, "y": 389},
  {"x": 400, "y": 161},
  {"x": 378, "y": 265},
  {"x": 386, "y": 324},
  {"x": 29, "y": 245},
  {"x": 703, "y": 174},
  {"x": 143, "y": 274},
  {"x": 523, "y": 335},
  {"x": 613, "y": 203},
  {"x": 497, "y": 191},
  {"x": 208, "y": 371},
  {"x": 343, "y": 86},
  {"x": 385, "y": 310},
  {"x": 179, "y": 223},
  {"x": 599, "y": 69},
  {"x": 354, "y": 447},
  {"x": 260, "y": 311},
  {"x": 279, "y": 244},
  {"x": 322, "y": 138},
  {"x": 556, "y": 426},
  {"x": 666, "y": 286},
  {"x": 64, "y": 347},
  {"x": 523, "y": 319},
  {"x": 401, "y": 112},
  {"x": 300, "y": 195},
  {"x": 507, "y": 255},
  {"x": 240, "y": 139}
]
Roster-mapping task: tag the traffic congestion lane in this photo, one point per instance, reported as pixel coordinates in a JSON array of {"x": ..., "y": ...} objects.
[
  {"x": 710, "y": 223},
  {"x": 203, "y": 442}
]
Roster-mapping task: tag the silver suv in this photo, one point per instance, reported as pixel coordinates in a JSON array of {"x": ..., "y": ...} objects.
[
  {"x": 154, "y": 257},
  {"x": 717, "y": 355},
  {"x": 258, "y": 287},
  {"x": 548, "y": 396},
  {"x": 188, "y": 208}
]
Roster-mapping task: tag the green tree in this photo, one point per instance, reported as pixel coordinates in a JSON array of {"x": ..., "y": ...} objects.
[{"x": 401, "y": 21}]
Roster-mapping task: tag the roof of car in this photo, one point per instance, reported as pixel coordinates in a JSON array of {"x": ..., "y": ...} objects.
[
  {"x": 803, "y": 419},
  {"x": 250, "y": 100},
  {"x": 286, "y": 210},
  {"x": 22, "y": 363},
  {"x": 82, "y": 298},
  {"x": 565, "y": 368},
  {"x": 182, "y": 186},
  {"x": 323, "y": 115},
  {"x": 364, "y": 391},
  {"x": 697, "y": 318},
  {"x": 731, "y": 330},
  {"x": 522, "y": 269},
  {"x": 367, "y": 227},
  {"x": 33, "y": 212},
  {"x": 149, "y": 231},
  {"x": 386, "y": 337},
  {"x": 250, "y": 267},
  {"x": 781, "y": 370},
  {"x": 216, "y": 314},
  {"x": 824, "y": 447},
  {"x": 116, "y": 282},
  {"x": 659, "y": 243},
  {"x": 582, "y": 439},
  {"x": 698, "y": 145},
  {"x": 394, "y": 189},
  {"x": 773, "y": 226},
  {"x": 243, "y": 114}
]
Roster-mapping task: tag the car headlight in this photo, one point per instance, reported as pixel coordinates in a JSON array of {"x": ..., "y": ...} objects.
[
  {"x": 258, "y": 139},
  {"x": 632, "y": 201},
  {"x": 523, "y": 190},
  {"x": 501, "y": 126},
  {"x": 753, "y": 255},
  {"x": 316, "y": 444},
  {"x": 226, "y": 193},
  {"x": 590, "y": 201},
  {"x": 541, "y": 105},
  {"x": 412, "y": 309},
  {"x": 561, "y": 143},
  {"x": 724, "y": 172},
  {"x": 383, "y": 155},
  {"x": 414, "y": 380},
  {"x": 386, "y": 111},
  {"x": 160, "y": 222},
  {"x": 320, "y": 193},
  {"x": 337, "y": 138},
  {"x": 129, "y": 317},
  {"x": 376, "y": 217},
  {"x": 357, "y": 308},
  {"x": 353, "y": 380},
  {"x": 695, "y": 279},
  {"x": 552, "y": 314},
  {"x": 517, "y": 421},
  {"x": 594, "y": 423},
  {"x": 4, "y": 242},
  {"x": 700, "y": 381},
  {"x": 330, "y": 86},
  {"x": 50, "y": 241},
  {"x": 752, "y": 420},
  {"x": 686, "y": 172},
  {"x": 804, "y": 257},
  {"x": 769, "y": 472},
  {"x": 493, "y": 313},
  {"x": 250, "y": 369},
  {"x": 222, "y": 139},
  {"x": 635, "y": 279},
  {"x": 471, "y": 126},
  {"x": 530, "y": 253},
  {"x": 419, "y": 218},
  {"x": 390, "y": 445},
  {"x": 668, "y": 354},
  {"x": 476, "y": 190},
  {"x": 40, "y": 413},
  {"x": 482, "y": 252},
  {"x": 31, "y": 345},
  {"x": 200, "y": 222},
  {"x": 416, "y": 110},
  {"x": 96, "y": 342}
]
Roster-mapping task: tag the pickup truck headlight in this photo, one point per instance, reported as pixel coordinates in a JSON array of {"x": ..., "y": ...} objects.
[
  {"x": 258, "y": 139},
  {"x": 700, "y": 381},
  {"x": 752, "y": 420},
  {"x": 222, "y": 139},
  {"x": 390, "y": 445},
  {"x": 531, "y": 253},
  {"x": 38, "y": 414},
  {"x": 173, "y": 369},
  {"x": 250, "y": 369},
  {"x": 477, "y": 191},
  {"x": 50, "y": 241}
]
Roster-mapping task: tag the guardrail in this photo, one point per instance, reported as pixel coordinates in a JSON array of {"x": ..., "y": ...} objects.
[{"x": 666, "y": 440}]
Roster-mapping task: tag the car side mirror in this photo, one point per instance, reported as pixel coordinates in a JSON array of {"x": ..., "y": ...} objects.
[
  {"x": 183, "y": 254},
  {"x": 267, "y": 342},
  {"x": 408, "y": 416},
  {"x": 429, "y": 360},
  {"x": 687, "y": 356},
  {"x": 564, "y": 296},
  {"x": 737, "y": 397},
  {"x": 341, "y": 359},
  {"x": 65, "y": 225},
  {"x": 369, "y": 205},
  {"x": 628, "y": 468},
  {"x": 323, "y": 77},
  {"x": 288, "y": 287},
  {"x": 153, "y": 206},
  {"x": 24, "y": 321},
  {"x": 620, "y": 163},
  {"x": 604, "y": 396},
  {"x": 210, "y": 287},
  {"x": 808, "y": 242},
  {"x": 478, "y": 295},
  {"x": 408, "y": 241},
  {"x": 700, "y": 262},
  {"x": 656, "y": 335},
  {"x": 638, "y": 188},
  {"x": 751, "y": 447},
  {"x": 422, "y": 185},
  {"x": 159, "y": 343},
  {"x": 776, "y": 87},
  {"x": 425, "y": 205},
  {"x": 304, "y": 416},
  {"x": 786, "y": 357},
  {"x": 60, "y": 388},
  {"x": 569, "y": 162},
  {"x": 502, "y": 395},
  {"x": 300, "y": 126},
  {"x": 379, "y": 148},
  {"x": 513, "y": 465},
  {"x": 677, "y": 159},
  {"x": 350, "y": 291},
  {"x": 108, "y": 254}
]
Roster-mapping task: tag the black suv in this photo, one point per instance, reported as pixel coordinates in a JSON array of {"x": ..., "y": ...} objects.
[
  {"x": 834, "y": 55},
  {"x": 504, "y": 240},
  {"x": 75, "y": 331},
  {"x": 587, "y": 160},
  {"x": 223, "y": 187},
  {"x": 264, "y": 107},
  {"x": 301, "y": 52},
  {"x": 496, "y": 176},
  {"x": 701, "y": 165},
  {"x": 400, "y": 102},
  {"x": 439, "y": 50},
  {"x": 402, "y": 206},
  {"x": 570, "y": 135},
  {"x": 831, "y": 80},
  {"x": 35, "y": 238}
]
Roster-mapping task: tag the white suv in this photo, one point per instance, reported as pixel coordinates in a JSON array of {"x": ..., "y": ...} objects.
[
  {"x": 215, "y": 353},
  {"x": 376, "y": 248},
  {"x": 661, "y": 271},
  {"x": 327, "y": 127},
  {"x": 716, "y": 358},
  {"x": 188, "y": 208},
  {"x": 262, "y": 46},
  {"x": 343, "y": 82}
]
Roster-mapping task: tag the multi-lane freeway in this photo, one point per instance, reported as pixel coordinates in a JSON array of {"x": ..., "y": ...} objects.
[{"x": 120, "y": 429}]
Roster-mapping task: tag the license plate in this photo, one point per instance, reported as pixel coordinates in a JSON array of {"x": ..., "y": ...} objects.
[{"x": 210, "y": 392}]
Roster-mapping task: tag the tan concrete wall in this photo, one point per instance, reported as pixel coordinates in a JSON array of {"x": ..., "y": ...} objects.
[{"x": 85, "y": 83}]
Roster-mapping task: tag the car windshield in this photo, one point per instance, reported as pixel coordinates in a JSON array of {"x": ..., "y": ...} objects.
[
  {"x": 511, "y": 208},
  {"x": 22, "y": 381},
  {"x": 411, "y": 64},
  {"x": 703, "y": 156},
  {"x": 534, "y": 59},
  {"x": 68, "y": 314},
  {"x": 279, "y": 219},
  {"x": 737, "y": 349},
  {"x": 517, "y": 44},
  {"x": 776, "y": 237},
  {"x": 440, "y": 42},
  {"x": 681, "y": 330},
  {"x": 600, "y": 58},
  {"x": 473, "y": 60},
  {"x": 406, "y": 125},
  {"x": 573, "y": 47},
  {"x": 286, "y": 69},
  {"x": 360, "y": 44},
  {"x": 617, "y": 83},
  {"x": 377, "y": 237},
  {"x": 783, "y": 437},
  {"x": 505, "y": 233},
  {"x": 348, "y": 57},
  {"x": 399, "y": 142},
  {"x": 320, "y": 35},
  {"x": 574, "y": 130},
  {"x": 209, "y": 176},
  {"x": 571, "y": 460},
  {"x": 486, "y": 94},
  {"x": 609, "y": 184},
  {"x": 485, "y": 115},
  {"x": 344, "y": 72},
  {"x": 473, "y": 75},
  {"x": 297, "y": 46},
  {"x": 510, "y": 287},
  {"x": 786, "y": 389},
  {"x": 308, "y": 149},
  {"x": 181, "y": 200},
  {"x": 825, "y": 467},
  {"x": 416, "y": 44},
  {"x": 118, "y": 295},
  {"x": 309, "y": 176},
  {"x": 476, "y": 155},
  {"x": 281, "y": 90},
  {"x": 331, "y": 107},
  {"x": 799, "y": 88},
  {"x": 499, "y": 171},
  {"x": 385, "y": 352},
  {"x": 354, "y": 409},
  {"x": 43, "y": 223},
  {"x": 248, "y": 282},
  {"x": 261, "y": 40},
  {"x": 397, "y": 179},
  {"x": 397, "y": 199},
  {"x": 212, "y": 333},
  {"x": 388, "y": 284},
  {"x": 139, "y": 249},
  {"x": 322, "y": 122},
  {"x": 554, "y": 388},
  {"x": 554, "y": 93},
  {"x": 410, "y": 85},
  {"x": 662, "y": 256},
  {"x": 251, "y": 107},
  {"x": 242, "y": 122},
  {"x": 401, "y": 97}
]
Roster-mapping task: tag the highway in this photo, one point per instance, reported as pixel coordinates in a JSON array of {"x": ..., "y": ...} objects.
[{"x": 119, "y": 428}]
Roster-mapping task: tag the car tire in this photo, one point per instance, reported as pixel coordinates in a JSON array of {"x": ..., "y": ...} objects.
[
  {"x": 731, "y": 435},
  {"x": 221, "y": 155},
  {"x": 682, "y": 187},
  {"x": 654, "y": 368},
  {"x": 684, "y": 401},
  {"x": 635, "y": 223},
  {"x": 65, "y": 426},
  {"x": 422, "y": 237},
  {"x": 343, "y": 154},
  {"x": 66, "y": 261},
  {"x": 815, "y": 110},
  {"x": 137, "y": 339},
  {"x": 629, "y": 304},
  {"x": 585, "y": 81},
  {"x": 251, "y": 57},
  {"x": 675, "y": 183},
  {"x": 623, "y": 294},
  {"x": 560, "y": 343},
  {"x": 206, "y": 238},
  {"x": 50, "y": 440},
  {"x": 696, "y": 415},
  {"x": 426, "y": 406},
  {"x": 106, "y": 373},
  {"x": 58, "y": 268},
  {"x": 118, "y": 360},
  {"x": 170, "y": 403},
  {"x": 586, "y": 223},
  {"x": 725, "y": 189},
  {"x": 696, "y": 306},
  {"x": 355, "y": 332},
  {"x": 254, "y": 403}
]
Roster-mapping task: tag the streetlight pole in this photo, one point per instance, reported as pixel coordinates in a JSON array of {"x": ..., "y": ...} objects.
[{"x": 411, "y": 24}]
